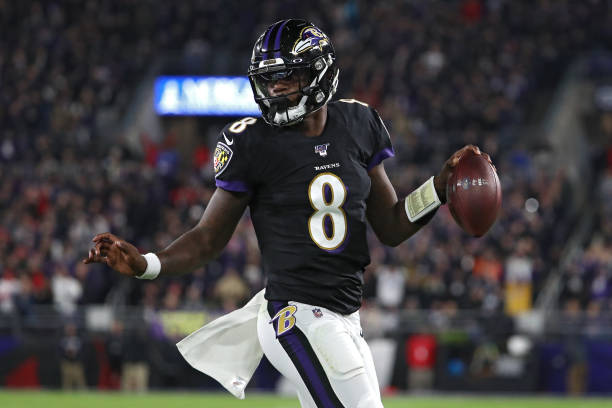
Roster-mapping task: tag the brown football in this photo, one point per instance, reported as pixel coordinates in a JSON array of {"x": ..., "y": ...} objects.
[{"x": 473, "y": 193}]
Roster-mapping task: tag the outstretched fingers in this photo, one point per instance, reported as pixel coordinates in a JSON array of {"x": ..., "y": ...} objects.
[
  {"x": 95, "y": 257},
  {"x": 104, "y": 250},
  {"x": 117, "y": 254}
]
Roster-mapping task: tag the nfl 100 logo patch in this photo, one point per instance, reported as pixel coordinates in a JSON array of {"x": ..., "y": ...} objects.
[{"x": 321, "y": 149}]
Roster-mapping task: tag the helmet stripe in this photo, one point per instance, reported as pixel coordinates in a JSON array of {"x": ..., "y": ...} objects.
[
  {"x": 277, "y": 54},
  {"x": 266, "y": 43}
]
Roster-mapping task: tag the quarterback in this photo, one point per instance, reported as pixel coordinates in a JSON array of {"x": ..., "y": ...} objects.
[{"x": 311, "y": 171}]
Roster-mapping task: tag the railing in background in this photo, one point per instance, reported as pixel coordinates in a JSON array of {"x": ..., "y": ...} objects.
[{"x": 413, "y": 350}]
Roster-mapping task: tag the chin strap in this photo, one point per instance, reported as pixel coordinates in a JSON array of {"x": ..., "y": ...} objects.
[
  {"x": 308, "y": 90},
  {"x": 273, "y": 110}
]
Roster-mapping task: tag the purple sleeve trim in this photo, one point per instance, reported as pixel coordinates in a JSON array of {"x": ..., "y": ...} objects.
[
  {"x": 238, "y": 186},
  {"x": 380, "y": 156}
]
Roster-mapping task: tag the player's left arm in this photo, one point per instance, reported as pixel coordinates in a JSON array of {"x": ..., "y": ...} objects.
[{"x": 387, "y": 214}]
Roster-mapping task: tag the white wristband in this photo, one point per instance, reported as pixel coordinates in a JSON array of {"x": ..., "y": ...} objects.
[
  {"x": 153, "y": 267},
  {"x": 422, "y": 201}
]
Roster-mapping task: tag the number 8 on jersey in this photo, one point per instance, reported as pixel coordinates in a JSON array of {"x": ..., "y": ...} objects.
[{"x": 327, "y": 209}]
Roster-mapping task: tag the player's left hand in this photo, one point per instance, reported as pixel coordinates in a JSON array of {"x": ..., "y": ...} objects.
[{"x": 446, "y": 171}]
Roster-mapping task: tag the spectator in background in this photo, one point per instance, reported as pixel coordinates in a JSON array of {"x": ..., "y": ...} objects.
[
  {"x": 390, "y": 286},
  {"x": 66, "y": 290},
  {"x": 231, "y": 290},
  {"x": 128, "y": 355},
  {"x": 487, "y": 266},
  {"x": 574, "y": 347},
  {"x": 519, "y": 274},
  {"x": 172, "y": 297},
  {"x": 24, "y": 298},
  {"x": 9, "y": 288},
  {"x": 193, "y": 298},
  {"x": 71, "y": 351},
  {"x": 136, "y": 360},
  {"x": 115, "y": 351},
  {"x": 41, "y": 292},
  {"x": 596, "y": 324},
  {"x": 149, "y": 301}
]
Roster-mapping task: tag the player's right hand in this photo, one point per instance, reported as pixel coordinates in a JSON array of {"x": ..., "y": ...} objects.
[{"x": 118, "y": 254}]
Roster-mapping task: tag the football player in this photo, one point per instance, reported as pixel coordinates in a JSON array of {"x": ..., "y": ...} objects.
[{"x": 312, "y": 173}]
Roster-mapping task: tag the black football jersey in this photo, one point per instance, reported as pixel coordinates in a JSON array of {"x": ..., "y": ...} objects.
[{"x": 308, "y": 200}]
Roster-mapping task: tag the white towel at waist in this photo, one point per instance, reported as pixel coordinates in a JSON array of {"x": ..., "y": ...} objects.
[{"x": 227, "y": 349}]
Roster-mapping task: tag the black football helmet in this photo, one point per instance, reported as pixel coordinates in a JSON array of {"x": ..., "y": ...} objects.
[{"x": 297, "y": 50}]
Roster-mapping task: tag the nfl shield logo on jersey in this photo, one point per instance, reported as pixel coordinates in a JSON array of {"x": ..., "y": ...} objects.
[
  {"x": 321, "y": 149},
  {"x": 317, "y": 312}
]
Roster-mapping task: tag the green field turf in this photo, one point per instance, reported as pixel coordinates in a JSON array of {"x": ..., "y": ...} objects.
[{"x": 36, "y": 399}]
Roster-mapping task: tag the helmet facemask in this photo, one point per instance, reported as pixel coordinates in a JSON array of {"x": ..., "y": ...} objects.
[{"x": 311, "y": 81}]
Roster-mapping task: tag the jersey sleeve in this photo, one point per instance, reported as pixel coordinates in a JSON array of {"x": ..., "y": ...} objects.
[
  {"x": 231, "y": 162},
  {"x": 381, "y": 147}
]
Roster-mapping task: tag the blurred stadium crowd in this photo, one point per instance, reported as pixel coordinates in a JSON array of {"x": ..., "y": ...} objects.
[
  {"x": 442, "y": 74},
  {"x": 587, "y": 283}
]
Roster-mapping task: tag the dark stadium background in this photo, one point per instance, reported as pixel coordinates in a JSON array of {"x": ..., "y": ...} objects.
[{"x": 526, "y": 308}]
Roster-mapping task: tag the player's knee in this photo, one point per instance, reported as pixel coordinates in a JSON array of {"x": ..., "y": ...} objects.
[{"x": 337, "y": 351}]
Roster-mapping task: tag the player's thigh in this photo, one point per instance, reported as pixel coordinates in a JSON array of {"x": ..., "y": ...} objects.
[
  {"x": 345, "y": 358},
  {"x": 278, "y": 357},
  {"x": 338, "y": 351}
]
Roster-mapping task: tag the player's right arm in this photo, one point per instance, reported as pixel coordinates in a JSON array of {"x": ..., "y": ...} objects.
[
  {"x": 206, "y": 240},
  {"x": 191, "y": 250}
]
